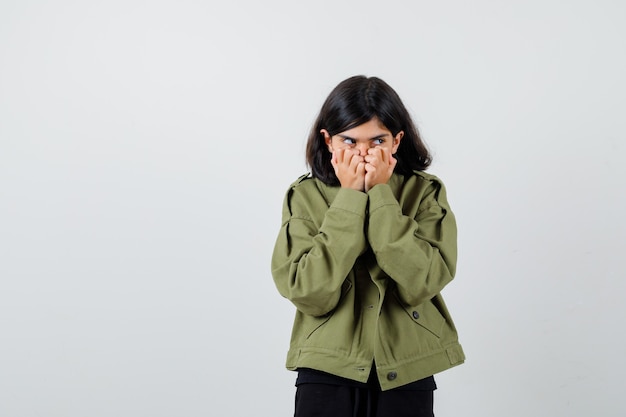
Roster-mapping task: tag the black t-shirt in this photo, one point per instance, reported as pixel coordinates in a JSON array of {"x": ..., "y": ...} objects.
[{"x": 313, "y": 376}]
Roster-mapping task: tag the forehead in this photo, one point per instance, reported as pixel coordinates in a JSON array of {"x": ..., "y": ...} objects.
[{"x": 369, "y": 129}]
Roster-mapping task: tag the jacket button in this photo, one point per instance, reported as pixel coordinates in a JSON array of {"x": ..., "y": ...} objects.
[
  {"x": 392, "y": 375},
  {"x": 416, "y": 315}
]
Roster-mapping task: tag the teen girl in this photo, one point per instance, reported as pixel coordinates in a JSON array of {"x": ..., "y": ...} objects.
[{"x": 367, "y": 243}]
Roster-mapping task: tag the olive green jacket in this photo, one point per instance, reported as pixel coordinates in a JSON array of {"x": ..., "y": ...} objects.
[{"x": 365, "y": 271}]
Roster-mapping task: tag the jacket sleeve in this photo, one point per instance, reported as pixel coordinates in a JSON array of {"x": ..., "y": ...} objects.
[
  {"x": 314, "y": 252},
  {"x": 417, "y": 251}
]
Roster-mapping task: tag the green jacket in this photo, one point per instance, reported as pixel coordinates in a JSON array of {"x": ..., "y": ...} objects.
[{"x": 365, "y": 271}]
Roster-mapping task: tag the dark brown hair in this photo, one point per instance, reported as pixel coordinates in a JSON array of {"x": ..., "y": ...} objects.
[{"x": 353, "y": 102}]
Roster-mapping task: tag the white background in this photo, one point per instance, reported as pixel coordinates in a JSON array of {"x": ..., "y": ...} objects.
[{"x": 145, "y": 147}]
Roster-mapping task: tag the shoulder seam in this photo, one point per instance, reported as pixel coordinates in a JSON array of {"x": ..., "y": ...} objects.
[{"x": 301, "y": 179}]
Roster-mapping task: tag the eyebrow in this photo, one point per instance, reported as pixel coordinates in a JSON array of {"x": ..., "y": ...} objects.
[{"x": 383, "y": 135}]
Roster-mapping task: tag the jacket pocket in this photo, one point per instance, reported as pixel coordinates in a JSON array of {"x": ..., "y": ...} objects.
[
  {"x": 318, "y": 322},
  {"x": 425, "y": 315}
]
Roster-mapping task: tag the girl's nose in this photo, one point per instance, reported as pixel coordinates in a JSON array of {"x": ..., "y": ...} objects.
[{"x": 362, "y": 148}]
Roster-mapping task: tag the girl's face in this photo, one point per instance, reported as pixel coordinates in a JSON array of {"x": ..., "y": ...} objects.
[{"x": 368, "y": 135}]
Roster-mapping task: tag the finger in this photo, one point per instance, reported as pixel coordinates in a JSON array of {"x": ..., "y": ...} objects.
[
  {"x": 384, "y": 155},
  {"x": 360, "y": 169},
  {"x": 377, "y": 154},
  {"x": 339, "y": 154},
  {"x": 355, "y": 160},
  {"x": 346, "y": 156},
  {"x": 392, "y": 162},
  {"x": 375, "y": 150},
  {"x": 333, "y": 159},
  {"x": 355, "y": 154}
]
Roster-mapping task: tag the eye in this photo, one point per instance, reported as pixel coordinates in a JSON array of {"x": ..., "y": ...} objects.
[
  {"x": 378, "y": 141},
  {"x": 348, "y": 141}
]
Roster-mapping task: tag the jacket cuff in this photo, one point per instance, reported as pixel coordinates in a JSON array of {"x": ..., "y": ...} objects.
[
  {"x": 381, "y": 195},
  {"x": 350, "y": 200}
]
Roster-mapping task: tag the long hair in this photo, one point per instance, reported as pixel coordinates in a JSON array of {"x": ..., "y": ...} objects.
[{"x": 353, "y": 102}]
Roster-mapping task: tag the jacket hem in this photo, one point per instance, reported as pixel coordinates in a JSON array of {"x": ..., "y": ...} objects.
[{"x": 389, "y": 375}]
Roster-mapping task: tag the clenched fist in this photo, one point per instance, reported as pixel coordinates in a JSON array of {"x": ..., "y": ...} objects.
[
  {"x": 379, "y": 165},
  {"x": 350, "y": 168}
]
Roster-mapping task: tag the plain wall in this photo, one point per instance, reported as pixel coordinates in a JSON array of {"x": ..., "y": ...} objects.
[{"x": 145, "y": 148}]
